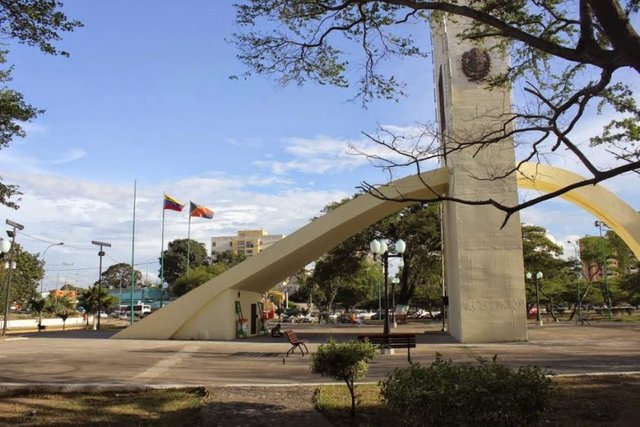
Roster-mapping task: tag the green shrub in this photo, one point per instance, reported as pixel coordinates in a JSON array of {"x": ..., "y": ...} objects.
[
  {"x": 485, "y": 394},
  {"x": 344, "y": 362}
]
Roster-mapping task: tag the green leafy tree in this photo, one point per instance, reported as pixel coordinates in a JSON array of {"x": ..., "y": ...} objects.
[
  {"x": 14, "y": 111},
  {"x": 37, "y": 23},
  {"x": 419, "y": 227},
  {"x": 175, "y": 258},
  {"x": 593, "y": 252},
  {"x": 230, "y": 258},
  {"x": 346, "y": 362},
  {"x": 542, "y": 254},
  {"x": 119, "y": 276},
  {"x": 25, "y": 278},
  {"x": 572, "y": 59},
  {"x": 197, "y": 277},
  {"x": 349, "y": 263},
  {"x": 630, "y": 285},
  {"x": 619, "y": 250}
]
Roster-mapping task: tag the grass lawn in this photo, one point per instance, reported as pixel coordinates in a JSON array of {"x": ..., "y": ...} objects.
[
  {"x": 155, "y": 407},
  {"x": 612, "y": 400}
]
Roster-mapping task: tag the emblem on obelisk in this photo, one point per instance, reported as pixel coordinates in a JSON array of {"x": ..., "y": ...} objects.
[{"x": 476, "y": 64}]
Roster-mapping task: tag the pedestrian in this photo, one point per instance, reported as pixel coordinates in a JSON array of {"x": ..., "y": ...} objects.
[{"x": 275, "y": 331}]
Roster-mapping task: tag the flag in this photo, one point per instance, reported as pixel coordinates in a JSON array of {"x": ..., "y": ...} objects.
[
  {"x": 172, "y": 204},
  {"x": 201, "y": 211}
]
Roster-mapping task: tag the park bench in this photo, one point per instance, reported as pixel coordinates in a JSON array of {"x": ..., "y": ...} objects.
[
  {"x": 295, "y": 342},
  {"x": 398, "y": 340}
]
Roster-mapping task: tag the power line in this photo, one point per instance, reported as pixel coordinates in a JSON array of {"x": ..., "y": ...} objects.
[{"x": 40, "y": 239}]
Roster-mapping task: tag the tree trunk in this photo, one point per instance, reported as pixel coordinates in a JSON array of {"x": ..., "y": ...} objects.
[{"x": 352, "y": 391}]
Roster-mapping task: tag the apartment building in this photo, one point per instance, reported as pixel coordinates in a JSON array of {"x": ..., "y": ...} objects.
[{"x": 245, "y": 242}]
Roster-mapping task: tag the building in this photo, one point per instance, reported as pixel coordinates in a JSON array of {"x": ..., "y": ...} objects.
[
  {"x": 62, "y": 293},
  {"x": 592, "y": 268},
  {"x": 246, "y": 242}
]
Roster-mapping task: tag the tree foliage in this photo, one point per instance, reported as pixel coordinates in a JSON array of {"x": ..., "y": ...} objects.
[
  {"x": 230, "y": 258},
  {"x": 197, "y": 276},
  {"x": 37, "y": 23},
  {"x": 569, "y": 59},
  {"x": 95, "y": 299},
  {"x": 348, "y": 275},
  {"x": 542, "y": 254},
  {"x": 344, "y": 362},
  {"x": 175, "y": 258},
  {"x": 119, "y": 276},
  {"x": 203, "y": 272},
  {"x": 25, "y": 278}
]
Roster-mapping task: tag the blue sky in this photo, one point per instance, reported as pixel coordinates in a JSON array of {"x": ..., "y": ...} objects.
[{"x": 146, "y": 97}]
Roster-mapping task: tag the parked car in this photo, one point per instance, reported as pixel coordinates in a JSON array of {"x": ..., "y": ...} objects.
[{"x": 308, "y": 319}]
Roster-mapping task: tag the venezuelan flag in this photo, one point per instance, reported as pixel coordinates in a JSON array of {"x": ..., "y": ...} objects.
[
  {"x": 172, "y": 204},
  {"x": 201, "y": 211}
]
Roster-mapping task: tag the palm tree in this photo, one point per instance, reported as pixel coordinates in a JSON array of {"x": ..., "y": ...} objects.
[
  {"x": 38, "y": 304},
  {"x": 94, "y": 299},
  {"x": 61, "y": 306}
]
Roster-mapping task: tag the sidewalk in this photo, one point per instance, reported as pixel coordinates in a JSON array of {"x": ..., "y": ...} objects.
[{"x": 88, "y": 357}]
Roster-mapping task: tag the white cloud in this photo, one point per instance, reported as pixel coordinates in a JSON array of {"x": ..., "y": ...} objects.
[
  {"x": 56, "y": 208},
  {"x": 323, "y": 154},
  {"x": 70, "y": 156}
]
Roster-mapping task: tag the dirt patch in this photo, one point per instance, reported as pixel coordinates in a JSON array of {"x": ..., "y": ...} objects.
[
  {"x": 612, "y": 400},
  {"x": 262, "y": 406}
]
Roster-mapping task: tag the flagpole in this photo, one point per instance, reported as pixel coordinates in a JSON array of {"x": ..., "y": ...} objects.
[
  {"x": 133, "y": 242},
  {"x": 162, "y": 257},
  {"x": 188, "y": 243}
]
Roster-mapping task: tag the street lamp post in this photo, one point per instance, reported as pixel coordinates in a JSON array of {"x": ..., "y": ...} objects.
[
  {"x": 380, "y": 248},
  {"x": 539, "y": 275},
  {"x": 394, "y": 282},
  {"x": 42, "y": 259},
  {"x": 600, "y": 224},
  {"x": 577, "y": 255},
  {"x": 538, "y": 280},
  {"x": 5, "y": 247},
  {"x": 100, "y": 255},
  {"x": 11, "y": 265}
]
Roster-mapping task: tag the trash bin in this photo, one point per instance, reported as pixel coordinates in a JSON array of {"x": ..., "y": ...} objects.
[{"x": 243, "y": 328}]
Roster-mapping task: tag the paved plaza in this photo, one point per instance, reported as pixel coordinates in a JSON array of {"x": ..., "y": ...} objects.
[{"x": 88, "y": 359}]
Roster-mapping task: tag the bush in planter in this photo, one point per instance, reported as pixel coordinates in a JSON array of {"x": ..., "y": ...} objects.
[{"x": 485, "y": 394}]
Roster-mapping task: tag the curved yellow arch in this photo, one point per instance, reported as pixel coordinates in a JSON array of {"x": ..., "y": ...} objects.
[
  {"x": 602, "y": 203},
  {"x": 207, "y": 312}
]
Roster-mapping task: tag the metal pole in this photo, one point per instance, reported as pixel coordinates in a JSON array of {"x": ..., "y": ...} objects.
[
  {"x": 386, "y": 293},
  {"x": 379, "y": 300},
  {"x": 577, "y": 255},
  {"x": 43, "y": 254},
  {"x": 599, "y": 224},
  {"x": 133, "y": 246},
  {"x": 393, "y": 302},
  {"x": 100, "y": 255},
  {"x": 538, "y": 319},
  {"x": 12, "y": 234}
]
